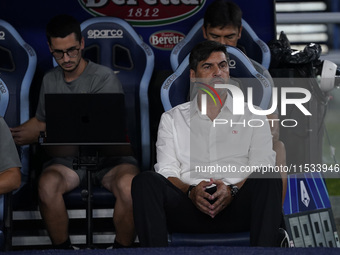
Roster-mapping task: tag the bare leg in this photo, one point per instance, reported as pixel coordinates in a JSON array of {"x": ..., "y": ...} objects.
[
  {"x": 118, "y": 181},
  {"x": 54, "y": 182}
]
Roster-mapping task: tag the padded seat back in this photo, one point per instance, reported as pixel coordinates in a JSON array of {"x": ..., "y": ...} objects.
[
  {"x": 175, "y": 89},
  {"x": 18, "y": 62},
  {"x": 17, "y": 67},
  {"x": 114, "y": 43},
  {"x": 255, "y": 48}
]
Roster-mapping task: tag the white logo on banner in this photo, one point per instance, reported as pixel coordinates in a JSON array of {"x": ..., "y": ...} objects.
[
  {"x": 304, "y": 194},
  {"x": 2, "y": 35},
  {"x": 105, "y": 33}
]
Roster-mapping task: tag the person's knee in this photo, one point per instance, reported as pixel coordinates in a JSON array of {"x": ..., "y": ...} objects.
[
  {"x": 144, "y": 177},
  {"x": 143, "y": 181},
  {"x": 118, "y": 179},
  {"x": 122, "y": 188},
  {"x": 49, "y": 183},
  {"x": 272, "y": 182},
  {"x": 267, "y": 177}
]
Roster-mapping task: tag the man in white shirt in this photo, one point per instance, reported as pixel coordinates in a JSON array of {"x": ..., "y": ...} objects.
[
  {"x": 208, "y": 175},
  {"x": 223, "y": 24}
]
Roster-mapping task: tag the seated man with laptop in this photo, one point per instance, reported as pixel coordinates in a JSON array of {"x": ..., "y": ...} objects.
[{"x": 75, "y": 75}]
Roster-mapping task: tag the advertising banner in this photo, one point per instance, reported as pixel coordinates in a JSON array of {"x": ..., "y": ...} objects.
[{"x": 160, "y": 23}]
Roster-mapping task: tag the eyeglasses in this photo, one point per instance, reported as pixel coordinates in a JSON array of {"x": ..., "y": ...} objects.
[{"x": 59, "y": 54}]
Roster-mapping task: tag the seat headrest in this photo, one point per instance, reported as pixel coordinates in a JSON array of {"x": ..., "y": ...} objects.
[
  {"x": 113, "y": 42},
  {"x": 175, "y": 89},
  {"x": 255, "y": 48}
]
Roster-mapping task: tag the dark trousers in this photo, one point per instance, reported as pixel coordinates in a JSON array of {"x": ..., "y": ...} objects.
[{"x": 161, "y": 208}]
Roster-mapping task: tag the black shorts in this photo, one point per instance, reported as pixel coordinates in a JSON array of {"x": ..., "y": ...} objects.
[{"x": 105, "y": 164}]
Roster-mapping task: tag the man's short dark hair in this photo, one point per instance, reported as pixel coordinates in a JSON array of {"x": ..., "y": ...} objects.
[
  {"x": 62, "y": 26},
  {"x": 222, "y": 13},
  {"x": 203, "y": 50}
]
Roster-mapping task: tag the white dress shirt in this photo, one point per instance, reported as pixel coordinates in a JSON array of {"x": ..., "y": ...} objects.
[{"x": 193, "y": 148}]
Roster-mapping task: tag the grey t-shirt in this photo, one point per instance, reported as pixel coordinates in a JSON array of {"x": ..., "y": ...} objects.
[
  {"x": 8, "y": 152},
  {"x": 95, "y": 79}
]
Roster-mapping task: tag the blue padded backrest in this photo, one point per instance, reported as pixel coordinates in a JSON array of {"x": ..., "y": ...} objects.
[
  {"x": 17, "y": 67},
  {"x": 184, "y": 47},
  {"x": 175, "y": 88},
  {"x": 114, "y": 43},
  {"x": 255, "y": 48}
]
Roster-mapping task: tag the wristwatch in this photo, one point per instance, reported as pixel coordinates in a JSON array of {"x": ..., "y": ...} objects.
[
  {"x": 233, "y": 190},
  {"x": 189, "y": 190}
]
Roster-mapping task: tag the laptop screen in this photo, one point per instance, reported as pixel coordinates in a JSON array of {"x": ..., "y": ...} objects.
[{"x": 85, "y": 118}]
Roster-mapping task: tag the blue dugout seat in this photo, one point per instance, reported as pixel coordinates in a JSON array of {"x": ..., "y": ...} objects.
[
  {"x": 175, "y": 90},
  {"x": 114, "y": 43},
  {"x": 307, "y": 210},
  {"x": 17, "y": 67},
  {"x": 256, "y": 49}
]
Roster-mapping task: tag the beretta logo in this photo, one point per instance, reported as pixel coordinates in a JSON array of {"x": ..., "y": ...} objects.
[
  {"x": 165, "y": 40},
  {"x": 144, "y": 12}
]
